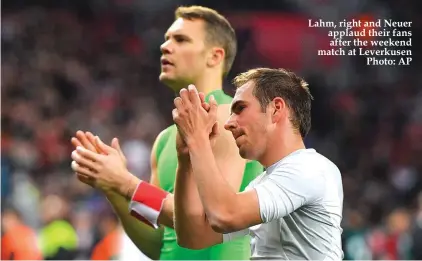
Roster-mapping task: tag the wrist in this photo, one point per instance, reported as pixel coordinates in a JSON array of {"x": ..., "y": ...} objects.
[
  {"x": 197, "y": 140},
  {"x": 110, "y": 193},
  {"x": 129, "y": 186},
  {"x": 183, "y": 163},
  {"x": 147, "y": 203},
  {"x": 183, "y": 154},
  {"x": 183, "y": 160}
]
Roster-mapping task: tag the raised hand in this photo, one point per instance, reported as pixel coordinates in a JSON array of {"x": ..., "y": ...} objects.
[
  {"x": 181, "y": 146},
  {"x": 99, "y": 165},
  {"x": 192, "y": 118},
  {"x": 87, "y": 141}
]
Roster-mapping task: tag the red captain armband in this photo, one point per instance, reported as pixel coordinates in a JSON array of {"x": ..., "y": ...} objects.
[{"x": 147, "y": 202}]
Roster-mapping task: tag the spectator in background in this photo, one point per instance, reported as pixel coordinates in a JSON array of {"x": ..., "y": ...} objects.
[
  {"x": 416, "y": 250},
  {"x": 58, "y": 238},
  {"x": 19, "y": 241},
  {"x": 110, "y": 245}
]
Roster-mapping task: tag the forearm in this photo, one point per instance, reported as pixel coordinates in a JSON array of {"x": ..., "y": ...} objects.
[
  {"x": 166, "y": 216},
  {"x": 166, "y": 212},
  {"x": 217, "y": 196},
  {"x": 192, "y": 229},
  {"x": 146, "y": 238}
]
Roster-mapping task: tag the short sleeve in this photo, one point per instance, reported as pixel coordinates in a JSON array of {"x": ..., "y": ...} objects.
[{"x": 287, "y": 188}]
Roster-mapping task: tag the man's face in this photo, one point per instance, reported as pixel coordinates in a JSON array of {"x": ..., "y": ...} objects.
[
  {"x": 248, "y": 124},
  {"x": 183, "y": 57}
]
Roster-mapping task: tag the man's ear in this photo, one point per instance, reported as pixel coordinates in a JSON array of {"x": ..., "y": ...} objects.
[
  {"x": 216, "y": 57},
  {"x": 278, "y": 106}
]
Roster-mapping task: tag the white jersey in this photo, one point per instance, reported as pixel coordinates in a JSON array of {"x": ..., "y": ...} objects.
[{"x": 301, "y": 204}]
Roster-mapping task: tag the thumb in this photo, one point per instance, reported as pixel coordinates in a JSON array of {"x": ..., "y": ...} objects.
[
  {"x": 116, "y": 145},
  {"x": 215, "y": 131},
  {"x": 100, "y": 144}
]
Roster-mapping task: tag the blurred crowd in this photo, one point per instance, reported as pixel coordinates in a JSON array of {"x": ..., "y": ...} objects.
[{"x": 74, "y": 68}]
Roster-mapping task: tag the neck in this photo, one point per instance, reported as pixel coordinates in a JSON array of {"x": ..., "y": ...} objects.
[
  {"x": 280, "y": 146},
  {"x": 206, "y": 83},
  {"x": 209, "y": 83}
]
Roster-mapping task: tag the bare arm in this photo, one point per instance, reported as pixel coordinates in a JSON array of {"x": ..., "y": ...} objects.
[
  {"x": 190, "y": 220},
  {"x": 193, "y": 222},
  {"x": 227, "y": 210},
  {"x": 146, "y": 238}
]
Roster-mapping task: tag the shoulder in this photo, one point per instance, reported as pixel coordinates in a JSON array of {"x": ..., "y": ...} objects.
[
  {"x": 162, "y": 139},
  {"x": 164, "y": 135},
  {"x": 220, "y": 96},
  {"x": 307, "y": 163},
  {"x": 307, "y": 173},
  {"x": 255, "y": 181}
]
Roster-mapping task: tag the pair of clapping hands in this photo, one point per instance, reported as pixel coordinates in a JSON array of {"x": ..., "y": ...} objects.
[{"x": 104, "y": 167}]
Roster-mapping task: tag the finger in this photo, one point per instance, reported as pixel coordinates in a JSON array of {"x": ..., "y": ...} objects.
[
  {"x": 213, "y": 107},
  {"x": 82, "y": 170},
  {"x": 178, "y": 103},
  {"x": 184, "y": 95},
  {"x": 215, "y": 130},
  {"x": 194, "y": 95},
  {"x": 85, "y": 142},
  {"x": 83, "y": 161},
  {"x": 201, "y": 96},
  {"x": 175, "y": 114},
  {"x": 85, "y": 179},
  {"x": 206, "y": 106},
  {"x": 91, "y": 139},
  {"x": 103, "y": 147},
  {"x": 115, "y": 144},
  {"x": 89, "y": 154},
  {"x": 75, "y": 142}
]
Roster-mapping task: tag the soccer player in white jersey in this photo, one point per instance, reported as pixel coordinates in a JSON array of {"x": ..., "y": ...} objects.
[{"x": 294, "y": 209}]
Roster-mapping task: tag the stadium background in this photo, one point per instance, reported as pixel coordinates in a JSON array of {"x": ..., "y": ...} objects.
[{"x": 93, "y": 65}]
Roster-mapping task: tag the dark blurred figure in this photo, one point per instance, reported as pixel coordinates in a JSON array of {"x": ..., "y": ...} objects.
[
  {"x": 19, "y": 241},
  {"x": 417, "y": 232},
  {"x": 392, "y": 242},
  {"x": 108, "y": 248},
  {"x": 58, "y": 238},
  {"x": 355, "y": 244}
]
